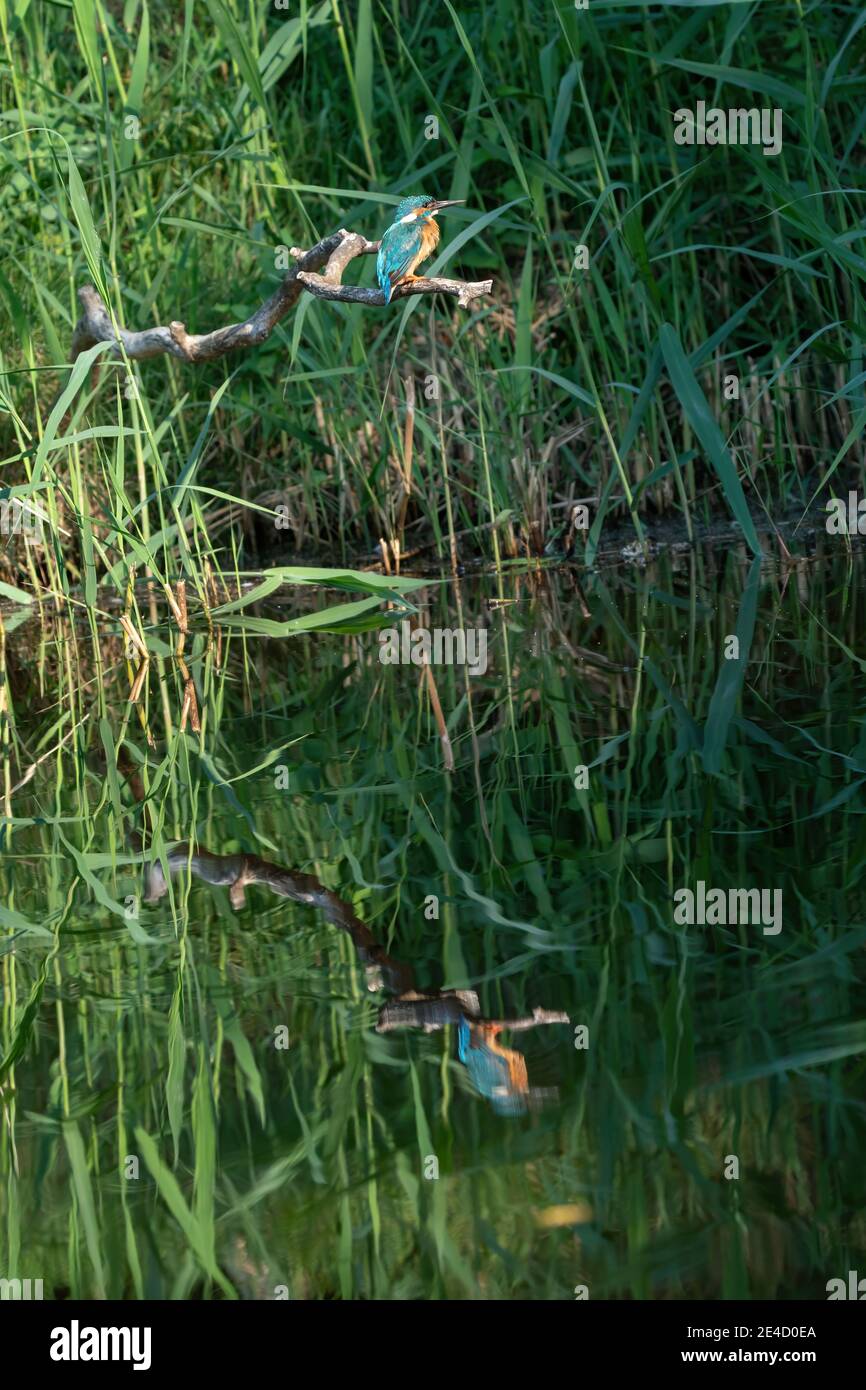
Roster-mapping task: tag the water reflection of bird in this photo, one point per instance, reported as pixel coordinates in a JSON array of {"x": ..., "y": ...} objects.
[
  {"x": 497, "y": 1073},
  {"x": 411, "y": 238}
]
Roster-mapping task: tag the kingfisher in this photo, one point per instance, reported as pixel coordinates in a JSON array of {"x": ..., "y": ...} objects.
[
  {"x": 497, "y": 1072},
  {"x": 411, "y": 238}
]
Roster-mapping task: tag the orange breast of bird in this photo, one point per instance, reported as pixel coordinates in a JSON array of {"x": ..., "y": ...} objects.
[
  {"x": 429, "y": 239},
  {"x": 515, "y": 1061},
  {"x": 517, "y": 1070}
]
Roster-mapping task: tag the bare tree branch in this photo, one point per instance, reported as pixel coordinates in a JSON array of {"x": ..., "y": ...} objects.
[
  {"x": 464, "y": 291},
  {"x": 333, "y": 253}
]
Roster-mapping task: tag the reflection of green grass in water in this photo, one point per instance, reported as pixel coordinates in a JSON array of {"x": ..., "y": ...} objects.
[{"x": 305, "y": 1167}]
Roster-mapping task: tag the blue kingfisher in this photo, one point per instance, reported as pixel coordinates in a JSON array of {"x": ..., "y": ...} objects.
[{"x": 410, "y": 239}]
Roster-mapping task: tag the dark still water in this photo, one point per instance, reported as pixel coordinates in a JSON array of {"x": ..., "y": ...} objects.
[{"x": 282, "y": 1066}]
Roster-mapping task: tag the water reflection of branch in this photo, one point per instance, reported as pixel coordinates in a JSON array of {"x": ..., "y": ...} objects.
[
  {"x": 237, "y": 871},
  {"x": 499, "y": 1073}
]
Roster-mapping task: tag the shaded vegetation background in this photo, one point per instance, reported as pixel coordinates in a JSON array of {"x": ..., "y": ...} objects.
[{"x": 208, "y": 134}]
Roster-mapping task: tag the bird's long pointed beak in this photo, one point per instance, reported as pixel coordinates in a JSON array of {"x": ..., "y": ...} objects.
[{"x": 446, "y": 203}]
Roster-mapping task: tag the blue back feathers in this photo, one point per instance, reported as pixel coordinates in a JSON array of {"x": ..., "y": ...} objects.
[{"x": 401, "y": 245}]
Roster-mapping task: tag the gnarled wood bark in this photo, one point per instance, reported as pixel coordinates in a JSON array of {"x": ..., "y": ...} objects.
[{"x": 333, "y": 253}]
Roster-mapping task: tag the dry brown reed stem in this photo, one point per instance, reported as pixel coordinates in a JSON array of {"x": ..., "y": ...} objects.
[{"x": 189, "y": 709}]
